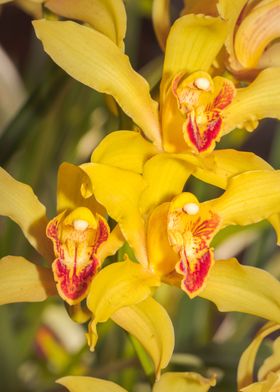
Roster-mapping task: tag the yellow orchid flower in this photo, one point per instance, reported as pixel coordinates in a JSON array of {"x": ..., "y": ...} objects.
[
  {"x": 171, "y": 237},
  {"x": 196, "y": 107},
  {"x": 172, "y": 381},
  {"x": 80, "y": 237},
  {"x": 269, "y": 372},
  {"x": 76, "y": 242}
]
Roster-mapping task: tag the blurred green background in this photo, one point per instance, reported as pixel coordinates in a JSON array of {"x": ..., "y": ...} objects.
[{"x": 47, "y": 118}]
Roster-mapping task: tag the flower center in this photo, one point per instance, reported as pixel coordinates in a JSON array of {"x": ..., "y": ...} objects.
[
  {"x": 76, "y": 238},
  {"x": 201, "y": 100}
]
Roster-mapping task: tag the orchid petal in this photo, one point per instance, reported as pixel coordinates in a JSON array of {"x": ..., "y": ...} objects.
[
  {"x": 259, "y": 100},
  {"x": 256, "y": 31},
  {"x": 165, "y": 176},
  {"x": 184, "y": 382},
  {"x": 231, "y": 11},
  {"x": 69, "y": 182},
  {"x": 161, "y": 20},
  {"x": 247, "y": 360},
  {"x": 124, "y": 149},
  {"x": 237, "y": 288},
  {"x": 229, "y": 163},
  {"x": 88, "y": 57},
  {"x": 192, "y": 45},
  {"x": 149, "y": 322},
  {"x": 106, "y": 16},
  {"x": 272, "y": 363},
  {"x": 111, "y": 245},
  {"x": 119, "y": 191},
  {"x": 20, "y": 204},
  {"x": 162, "y": 258},
  {"x": 249, "y": 198},
  {"x": 23, "y": 281},
  {"x": 82, "y": 384},
  {"x": 116, "y": 286}
]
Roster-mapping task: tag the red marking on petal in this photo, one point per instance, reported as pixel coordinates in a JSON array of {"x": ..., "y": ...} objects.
[
  {"x": 203, "y": 140},
  {"x": 74, "y": 287},
  {"x": 194, "y": 278},
  {"x": 76, "y": 263},
  {"x": 190, "y": 237},
  {"x": 225, "y": 96},
  {"x": 102, "y": 234}
]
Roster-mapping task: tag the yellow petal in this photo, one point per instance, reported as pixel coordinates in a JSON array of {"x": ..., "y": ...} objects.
[
  {"x": 149, "y": 322},
  {"x": 271, "y": 384},
  {"x": 106, "y": 16},
  {"x": 89, "y": 384},
  {"x": 124, "y": 149},
  {"x": 96, "y": 61},
  {"x": 184, "y": 382},
  {"x": 19, "y": 203},
  {"x": 192, "y": 45},
  {"x": 256, "y": 31},
  {"x": 111, "y": 245},
  {"x": 119, "y": 191},
  {"x": 165, "y": 176},
  {"x": 236, "y": 288},
  {"x": 259, "y": 100},
  {"x": 206, "y": 7},
  {"x": 69, "y": 181},
  {"x": 247, "y": 360},
  {"x": 272, "y": 363},
  {"x": 118, "y": 285},
  {"x": 230, "y": 11},
  {"x": 162, "y": 258},
  {"x": 23, "y": 281},
  {"x": 229, "y": 163},
  {"x": 249, "y": 198},
  {"x": 161, "y": 20}
]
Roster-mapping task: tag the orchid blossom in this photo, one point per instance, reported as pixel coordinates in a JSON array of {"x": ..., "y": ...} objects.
[
  {"x": 171, "y": 232},
  {"x": 74, "y": 244},
  {"x": 78, "y": 234},
  {"x": 196, "y": 107}
]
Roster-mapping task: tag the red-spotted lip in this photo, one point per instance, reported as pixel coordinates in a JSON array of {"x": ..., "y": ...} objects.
[
  {"x": 194, "y": 278},
  {"x": 75, "y": 287},
  {"x": 72, "y": 279},
  {"x": 194, "y": 234},
  {"x": 202, "y": 141}
]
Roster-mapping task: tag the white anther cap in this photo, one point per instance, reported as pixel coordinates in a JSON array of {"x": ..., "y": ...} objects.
[
  {"x": 191, "y": 208},
  {"x": 202, "y": 84},
  {"x": 80, "y": 224}
]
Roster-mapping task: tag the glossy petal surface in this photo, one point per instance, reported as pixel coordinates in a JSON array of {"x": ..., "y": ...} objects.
[
  {"x": 116, "y": 286},
  {"x": 257, "y": 288},
  {"x": 23, "y": 281},
  {"x": 149, "y": 322},
  {"x": 89, "y": 384},
  {"x": 126, "y": 150},
  {"x": 88, "y": 57},
  {"x": 184, "y": 382},
  {"x": 106, "y": 16},
  {"x": 20, "y": 204}
]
